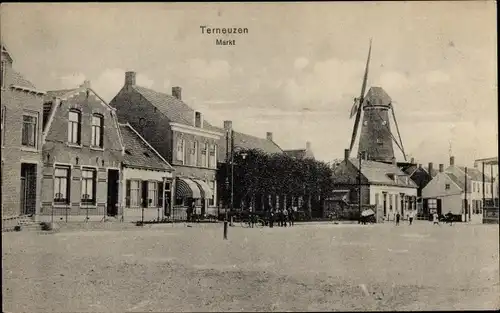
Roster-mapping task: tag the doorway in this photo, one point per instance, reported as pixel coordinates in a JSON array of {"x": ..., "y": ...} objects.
[
  {"x": 384, "y": 195},
  {"x": 28, "y": 189},
  {"x": 113, "y": 184}
]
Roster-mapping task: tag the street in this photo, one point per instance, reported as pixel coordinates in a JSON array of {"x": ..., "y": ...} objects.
[{"x": 302, "y": 268}]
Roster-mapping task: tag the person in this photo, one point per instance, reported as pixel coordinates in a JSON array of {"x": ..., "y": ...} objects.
[
  {"x": 435, "y": 218},
  {"x": 271, "y": 218},
  {"x": 291, "y": 216},
  {"x": 188, "y": 213},
  {"x": 398, "y": 216},
  {"x": 285, "y": 216},
  {"x": 410, "y": 217}
]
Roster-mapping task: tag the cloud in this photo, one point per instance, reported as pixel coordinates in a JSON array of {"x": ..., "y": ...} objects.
[
  {"x": 436, "y": 77},
  {"x": 392, "y": 81},
  {"x": 300, "y": 63},
  {"x": 214, "y": 69},
  {"x": 110, "y": 81},
  {"x": 72, "y": 80}
]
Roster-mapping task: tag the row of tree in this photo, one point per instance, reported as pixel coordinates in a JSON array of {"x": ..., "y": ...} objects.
[{"x": 258, "y": 175}]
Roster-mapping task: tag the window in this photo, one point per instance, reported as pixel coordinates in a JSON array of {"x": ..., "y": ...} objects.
[
  {"x": 180, "y": 150},
  {"x": 197, "y": 120},
  {"x": 3, "y": 125},
  {"x": 152, "y": 193},
  {"x": 204, "y": 155},
  {"x": 133, "y": 193},
  {"x": 29, "y": 131},
  {"x": 88, "y": 186},
  {"x": 97, "y": 130},
  {"x": 213, "y": 156},
  {"x": 74, "y": 127},
  {"x": 2, "y": 78},
  {"x": 211, "y": 201},
  {"x": 61, "y": 185},
  {"x": 193, "y": 153},
  {"x": 432, "y": 203},
  {"x": 447, "y": 186}
]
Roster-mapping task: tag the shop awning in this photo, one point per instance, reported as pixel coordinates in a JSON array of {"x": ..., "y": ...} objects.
[
  {"x": 206, "y": 191},
  {"x": 186, "y": 188}
]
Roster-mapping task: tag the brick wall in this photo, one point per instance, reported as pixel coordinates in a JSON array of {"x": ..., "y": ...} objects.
[
  {"x": 56, "y": 151},
  {"x": 15, "y": 103}
]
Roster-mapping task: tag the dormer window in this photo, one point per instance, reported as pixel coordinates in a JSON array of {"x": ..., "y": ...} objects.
[
  {"x": 379, "y": 141},
  {"x": 198, "y": 120}
]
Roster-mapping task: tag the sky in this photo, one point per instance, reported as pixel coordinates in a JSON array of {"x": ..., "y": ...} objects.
[{"x": 295, "y": 73}]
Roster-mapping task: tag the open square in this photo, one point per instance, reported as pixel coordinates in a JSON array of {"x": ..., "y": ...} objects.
[{"x": 302, "y": 268}]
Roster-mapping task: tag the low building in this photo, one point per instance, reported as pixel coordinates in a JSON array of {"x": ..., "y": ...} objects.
[
  {"x": 458, "y": 190},
  {"x": 369, "y": 183},
  {"x": 21, "y": 141},
  {"x": 147, "y": 179},
  {"x": 421, "y": 176}
]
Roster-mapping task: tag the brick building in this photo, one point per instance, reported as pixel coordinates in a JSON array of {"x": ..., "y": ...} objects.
[
  {"x": 82, "y": 152},
  {"x": 21, "y": 141},
  {"x": 181, "y": 136}
]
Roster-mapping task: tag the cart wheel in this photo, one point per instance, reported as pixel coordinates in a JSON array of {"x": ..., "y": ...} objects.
[{"x": 260, "y": 223}]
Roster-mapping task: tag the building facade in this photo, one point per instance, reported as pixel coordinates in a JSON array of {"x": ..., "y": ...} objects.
[
  {"x": 180, "y": 135},
  {"x": 458, "y": 190},
  {"x": 21, "y": 142},
  {"x": 82, "y": 154},
  {"x": 147, "y": 179},
  {"x": 383, "y": 186}
]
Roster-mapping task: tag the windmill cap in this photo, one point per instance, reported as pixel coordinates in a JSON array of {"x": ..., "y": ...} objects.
[{"x": 377, "y": 96}]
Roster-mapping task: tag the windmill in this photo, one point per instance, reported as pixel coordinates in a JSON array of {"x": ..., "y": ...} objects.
[{"x": 373, "y": 108}]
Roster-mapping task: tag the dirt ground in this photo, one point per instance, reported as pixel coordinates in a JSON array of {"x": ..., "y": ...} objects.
[{"x": 321, "y": 267}]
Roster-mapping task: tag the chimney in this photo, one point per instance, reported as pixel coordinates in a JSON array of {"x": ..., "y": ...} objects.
[
  {"x": 419, "y": 165},
  {"x": 86, "y": 84},
  {"x": 430, "y": 167},
  {"x": 346, "y": 154},
  {"x": 452, "y": 160},
  {"x": 441, "y": 168},
  {"x": 412, "y": 161},
  {"x": 130, "y": 79},
  {"x": 177, "y": 92},
  {"x": 269, "y": 136},
  {"x": 394, "y": 161},
  {"x": 308, "y": 145},
  {"x": 228, "y": 125}
]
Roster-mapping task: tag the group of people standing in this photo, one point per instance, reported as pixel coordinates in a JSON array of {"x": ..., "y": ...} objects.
[
  {"x": 411, "y": 216},
  {"x": 282, "y": 216}
]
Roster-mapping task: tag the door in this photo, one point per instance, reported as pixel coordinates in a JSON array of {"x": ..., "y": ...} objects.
[
  {"x": 28, "y": 189},
  {"x": 113, "y": 184},
  {"x": 439, "y": 206}
]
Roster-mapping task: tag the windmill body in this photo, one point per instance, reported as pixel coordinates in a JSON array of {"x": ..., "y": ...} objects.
[{"x": 376, "y": 138}]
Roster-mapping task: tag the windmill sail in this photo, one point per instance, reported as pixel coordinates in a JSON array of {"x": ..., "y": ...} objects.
[{"x": 360, "y": 100}]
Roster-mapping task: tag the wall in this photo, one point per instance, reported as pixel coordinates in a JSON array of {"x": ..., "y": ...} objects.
[
  {"x": 395, "y": 200},
  {"x": 150, "y": 213},
  {"x": 57, "y": 151},
  {"x": 131, "y": 107},
  {"x": 15, "y": 102}
]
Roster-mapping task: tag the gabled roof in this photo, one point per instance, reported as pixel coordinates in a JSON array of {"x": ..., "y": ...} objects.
[
  {"x": 475, "y": 174},
  {"x": 460, "y": 181},
  {"x": 139, "y": 153},
  {"x": 245, "y": 141},
  {"x": 174, "y": 109},
  {"x": 6, "y": 51},
  {"x": 380, "y": 173}
]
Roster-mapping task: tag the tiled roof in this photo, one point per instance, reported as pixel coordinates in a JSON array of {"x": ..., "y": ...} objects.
[
  {"x": 378, "y": 172},
  {"x": 459, "y": 180},
  {"x": 299, "y": 153},
  {"x": 138, "y": 153},
  {"x": 475, "y": 174},
  {"x": 176, "y": 110},
  {"x": 57, "y": 93},
  {"x": 19, "y": 80},
  {"x": 245, "y": 141}
]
